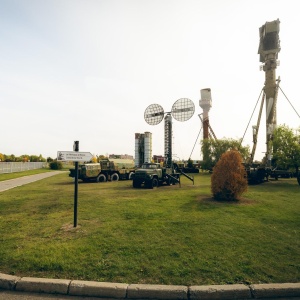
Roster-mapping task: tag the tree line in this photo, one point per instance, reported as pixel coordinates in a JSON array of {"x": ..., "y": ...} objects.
[
  {"x": 23, "y": 158},
  {"x": 286, "y": 145},
  {"x": 285, "y": 142}
]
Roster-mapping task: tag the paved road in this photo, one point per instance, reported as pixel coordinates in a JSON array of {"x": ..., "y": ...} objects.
[
  {"x": 12, "y": 183},
  {"x": 10, "y": 295}
]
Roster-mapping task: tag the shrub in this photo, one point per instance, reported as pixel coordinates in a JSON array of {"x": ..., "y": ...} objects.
[
  {"x": 56, "y": 165},
  {"x": 229, "y": 178}
]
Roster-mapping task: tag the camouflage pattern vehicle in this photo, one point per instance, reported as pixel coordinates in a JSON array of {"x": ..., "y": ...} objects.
[
  {"x": 105, "y": 170},
  {"x": 152, "y": 175}
]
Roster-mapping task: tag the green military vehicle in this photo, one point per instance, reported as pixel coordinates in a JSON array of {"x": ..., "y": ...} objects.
[
  {"x": 152, "y": 175},
  {"x": 105, "y": 170}
]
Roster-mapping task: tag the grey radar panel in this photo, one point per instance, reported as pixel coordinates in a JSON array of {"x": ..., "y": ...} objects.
[
  {"x": 154, "y": 114},
  {"x": 183, "y": 109}
]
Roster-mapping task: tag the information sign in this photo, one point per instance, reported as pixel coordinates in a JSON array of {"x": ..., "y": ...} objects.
[{"x": 73, "y": 156}]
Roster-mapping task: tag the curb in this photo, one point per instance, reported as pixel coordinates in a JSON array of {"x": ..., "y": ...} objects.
[{"x": 148, "y": 291}]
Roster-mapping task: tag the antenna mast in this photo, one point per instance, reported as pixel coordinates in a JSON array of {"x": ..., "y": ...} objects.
[
  {"x": 269, "y": 47},
  {"x": 206, "y": 104}
]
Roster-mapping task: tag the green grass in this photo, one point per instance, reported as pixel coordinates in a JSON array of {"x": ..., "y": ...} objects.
[
  {"x": 169, "y": 235},
  {"x": 7, "y": 176}
]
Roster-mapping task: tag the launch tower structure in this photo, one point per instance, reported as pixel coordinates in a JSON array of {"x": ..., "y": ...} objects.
[
  {"x": 206, "y": 104},
  {"x": 143, "y": 148},
  {"x": 269, "y": 47}
]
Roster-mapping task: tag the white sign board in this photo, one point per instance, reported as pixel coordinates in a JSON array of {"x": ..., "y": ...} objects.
[{"x": 73, "y": 156}]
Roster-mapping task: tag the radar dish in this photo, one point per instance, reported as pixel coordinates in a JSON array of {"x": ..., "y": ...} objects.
[
  {"x": 154, "y": 114},
  {"x": 183, "y": 109}
]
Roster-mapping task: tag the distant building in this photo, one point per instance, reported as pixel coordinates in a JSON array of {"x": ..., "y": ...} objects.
[{"x": 158, "y": 158}]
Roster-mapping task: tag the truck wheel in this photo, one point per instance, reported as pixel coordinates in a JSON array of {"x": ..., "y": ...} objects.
[
  {"x": 153, "y": 183},
  {"x": 101, "y": 178},
  {"x": 130, "y": 175},
  {"x": 114, "y": 177},
  {"x": 136, "y": 184},
  {"x": 169, "y": 181}
]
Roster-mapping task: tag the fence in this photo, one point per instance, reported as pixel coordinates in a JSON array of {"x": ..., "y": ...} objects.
[{"x": 10, "y": 167}]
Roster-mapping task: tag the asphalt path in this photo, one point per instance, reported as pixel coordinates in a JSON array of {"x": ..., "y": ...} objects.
[
  {"x": 13, "y": 295},
  {"x": 12, "y": 183}
]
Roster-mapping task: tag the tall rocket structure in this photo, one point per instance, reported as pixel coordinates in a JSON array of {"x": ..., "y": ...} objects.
[
  {"x": 205, "y": 103},
  {"x": 269, "y": 46}
]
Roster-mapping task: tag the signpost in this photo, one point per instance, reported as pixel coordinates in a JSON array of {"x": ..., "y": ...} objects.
[{"x": 74, "y": 156}]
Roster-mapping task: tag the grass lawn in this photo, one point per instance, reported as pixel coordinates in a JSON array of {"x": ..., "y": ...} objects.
[
  {"x": 168, "y": 235},
  {"x": 7, "y": 176}
]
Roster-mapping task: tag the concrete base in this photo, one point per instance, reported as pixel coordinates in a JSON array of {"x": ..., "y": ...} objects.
[{"x": 149, "y": 291}]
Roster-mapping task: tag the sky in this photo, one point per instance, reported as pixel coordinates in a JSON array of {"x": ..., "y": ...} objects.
[{"x": 86, "y": 70}]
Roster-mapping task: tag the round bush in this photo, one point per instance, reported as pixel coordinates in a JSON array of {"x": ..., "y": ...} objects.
[
  {"x": 229, "y": 178},
  {"x": 56, "y": 165}
]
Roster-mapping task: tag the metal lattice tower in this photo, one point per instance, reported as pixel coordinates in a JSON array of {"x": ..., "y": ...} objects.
[{"x": 168, "y": 139}]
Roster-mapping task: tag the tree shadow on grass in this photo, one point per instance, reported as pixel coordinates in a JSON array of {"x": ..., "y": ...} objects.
[
  {"x": 211, "y": 201},
  {"x": 65, "y": 183},
  {"x": 206, "y": 202}
]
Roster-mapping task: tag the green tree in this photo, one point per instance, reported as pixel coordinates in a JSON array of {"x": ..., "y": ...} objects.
[
  {"x": 41, "y": 158},
  {"x": 286, "y": 148},
  {"x": 56, "y": 165},
  {"x": 10, "y": 158},
  {"x": 33, "y": 158},
  {"x": 190, "y": 163},
  {"x": 24, "y": 158},
  {"x": 212, "y": 150},
  {"x": 229, "y": 179}
]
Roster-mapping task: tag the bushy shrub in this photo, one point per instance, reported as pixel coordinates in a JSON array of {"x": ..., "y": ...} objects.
[
  {"x": 229, "y": 178},
  {"x": 56, "y": 165}
]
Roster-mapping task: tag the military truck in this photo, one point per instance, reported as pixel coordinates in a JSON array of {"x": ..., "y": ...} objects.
[
  {"x": 152, "y": 175},
  {"x": 282, "y": 173},
  {"x": 105, "y": 170}
]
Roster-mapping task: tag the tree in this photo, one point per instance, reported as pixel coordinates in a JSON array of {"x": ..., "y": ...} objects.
[
  {"x": 229, "y": 179},
  {"x": 33, "y": 158},
  {"x": 213, "y": 149},
  {"x": 190, "y": 163},
  {"x": 286, "y": 148},
  {"x": 10, "y": 158},
  {"x": 24, "y": 158},
  {"x": 56, "y": 165}
]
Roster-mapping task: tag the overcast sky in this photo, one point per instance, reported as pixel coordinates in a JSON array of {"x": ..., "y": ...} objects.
[{"x": 87, "y": 69}]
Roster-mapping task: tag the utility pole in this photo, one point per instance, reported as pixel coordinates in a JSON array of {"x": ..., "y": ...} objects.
[{"x": 76, "y": 148}]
